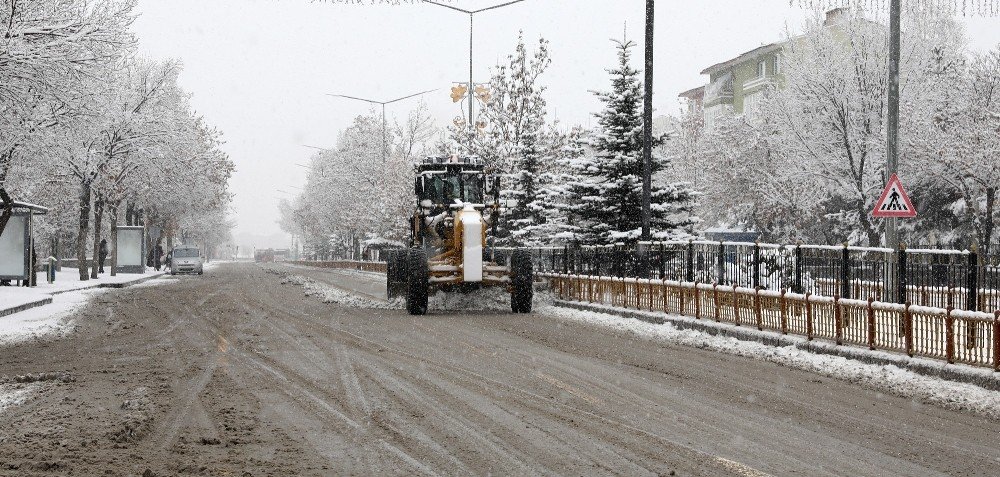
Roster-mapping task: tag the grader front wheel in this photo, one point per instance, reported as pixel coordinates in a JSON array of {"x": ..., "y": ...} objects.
[
  {"x": 521, "y": 279},
  {"x": 396, "y": 275},
  {"x": 416, "y": 281}
]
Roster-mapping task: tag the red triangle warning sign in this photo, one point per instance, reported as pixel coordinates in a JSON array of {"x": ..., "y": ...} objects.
[{"x": 894, "y": 202}]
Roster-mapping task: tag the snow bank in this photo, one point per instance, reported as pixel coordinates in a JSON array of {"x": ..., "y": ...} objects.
[
  {"x": 889, "y": 378},
  {"x": 330, "y": 294},
  {"x": 155, "y": 282},
  {"x": 51, "y": 319},
  {"x": 349, "y": 271},
  {"x": 44, "y": 320},
  {"x": 14, "y": 394},
  {"x": 11, "y": 297},
  {"x": 484, "y": 299}
]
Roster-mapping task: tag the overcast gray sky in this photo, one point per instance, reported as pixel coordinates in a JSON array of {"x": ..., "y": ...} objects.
[{"x": 259, "y": 69}]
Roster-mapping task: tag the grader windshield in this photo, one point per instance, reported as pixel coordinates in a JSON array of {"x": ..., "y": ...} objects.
[
  {"x": 444, "y": 181},
  {"x": 444, "y": 188}
]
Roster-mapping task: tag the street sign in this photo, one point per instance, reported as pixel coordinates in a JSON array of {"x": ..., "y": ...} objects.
[
  {"x": 894, "y": 202},
  {"x": 154, "y": 232}
]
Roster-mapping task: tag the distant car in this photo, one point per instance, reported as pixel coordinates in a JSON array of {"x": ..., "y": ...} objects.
[{"x": 186, "y": 259}]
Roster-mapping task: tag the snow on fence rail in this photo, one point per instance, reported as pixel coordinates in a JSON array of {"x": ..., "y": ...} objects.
[{"x": 947, "y": 334}]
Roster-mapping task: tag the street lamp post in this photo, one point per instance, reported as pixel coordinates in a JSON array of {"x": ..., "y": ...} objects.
[
  {"x": 385, "y": 150},
  {"x": 647, "y": 124},
  {"x": 471, "y": 13},
  {"x": 892, "y": 117}
]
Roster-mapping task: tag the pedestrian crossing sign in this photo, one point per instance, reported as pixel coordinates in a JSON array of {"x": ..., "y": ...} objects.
[{"x": 894, "y": 202}]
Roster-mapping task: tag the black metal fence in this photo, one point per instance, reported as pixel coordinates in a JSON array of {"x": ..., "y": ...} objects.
[{"x": 941, "y": 278}]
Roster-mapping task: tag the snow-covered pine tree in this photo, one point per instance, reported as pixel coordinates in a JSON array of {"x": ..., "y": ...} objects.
[
  {"x": 555, "y": 188},
  {"x": 611, "y": 192},
  {"x": 523, "y": 183}
]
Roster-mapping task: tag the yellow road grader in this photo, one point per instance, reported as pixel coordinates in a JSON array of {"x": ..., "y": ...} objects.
[{"x": 448, "y": 246}]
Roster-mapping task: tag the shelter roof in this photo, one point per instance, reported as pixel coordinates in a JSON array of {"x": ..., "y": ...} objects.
[{"x": 25, "y": 205}]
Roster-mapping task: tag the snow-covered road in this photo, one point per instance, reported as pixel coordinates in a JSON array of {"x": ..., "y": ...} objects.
[{"x": 237, "y": 372}]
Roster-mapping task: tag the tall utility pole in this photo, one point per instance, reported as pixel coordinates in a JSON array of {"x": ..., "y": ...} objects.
[
  {"x": 647, "y": 123},
  {"x": 385, "y": 143},
  {"x": 892, "y": 116},
  {"x": 472, "y": 86}
]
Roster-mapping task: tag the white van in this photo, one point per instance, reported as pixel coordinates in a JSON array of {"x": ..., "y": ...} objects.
[{"x": 186, "y": 259}]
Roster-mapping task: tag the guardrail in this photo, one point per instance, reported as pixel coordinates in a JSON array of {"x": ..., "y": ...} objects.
[
  {"x": 940, "y": 278},
  {"x": 343, "y": 264},
  {"x": 955, "y": 336}
]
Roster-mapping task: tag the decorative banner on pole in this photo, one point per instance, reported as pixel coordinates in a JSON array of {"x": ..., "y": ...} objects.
[{"x": 894, "y": 202}]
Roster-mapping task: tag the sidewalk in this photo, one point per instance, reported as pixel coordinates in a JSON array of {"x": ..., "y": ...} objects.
[{"x": 17, "y": 299}]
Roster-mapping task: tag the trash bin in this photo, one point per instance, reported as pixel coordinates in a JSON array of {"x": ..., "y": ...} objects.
[{"x": 50, "y": 269}]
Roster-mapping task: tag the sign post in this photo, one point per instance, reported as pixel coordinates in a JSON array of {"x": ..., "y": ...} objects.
[{"x": 891, "y": 205}]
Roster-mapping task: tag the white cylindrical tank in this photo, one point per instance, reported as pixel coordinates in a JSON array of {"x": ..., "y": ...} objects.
[{"x": 472, "y": 244}]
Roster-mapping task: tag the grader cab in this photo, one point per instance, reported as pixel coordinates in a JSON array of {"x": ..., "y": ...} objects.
[{"x": 448, "y": 239}]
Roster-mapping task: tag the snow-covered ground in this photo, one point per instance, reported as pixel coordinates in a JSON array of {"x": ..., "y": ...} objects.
[
  {"x": 349, "y": 271},
  {"x": 68, "y": 293},
  {"x": 14, "y": 394},
  {"x": 887, "y": 378},
  {"x": 485, "y": 299},
  {"x": 44, "y": 320},
  {"x": 330, "y": 294},
  {"x": 66, "y": 280}
]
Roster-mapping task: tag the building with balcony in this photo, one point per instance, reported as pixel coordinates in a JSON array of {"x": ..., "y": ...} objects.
[{"x": 736, "y": 86}]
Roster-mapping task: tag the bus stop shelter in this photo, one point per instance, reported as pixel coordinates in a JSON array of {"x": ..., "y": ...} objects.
[
  {"x": 17, "y": 262},
  {"x": 130, "y": 249}
]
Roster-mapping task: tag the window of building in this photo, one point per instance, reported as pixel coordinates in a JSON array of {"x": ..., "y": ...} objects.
[
  {"x": 761, "y": 68},
  {"x": 777, "y": 64},
  {"x": 751, "y": 106}
]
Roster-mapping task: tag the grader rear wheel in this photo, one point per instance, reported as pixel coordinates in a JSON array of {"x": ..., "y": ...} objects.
[{"x": 521, "y": 279}]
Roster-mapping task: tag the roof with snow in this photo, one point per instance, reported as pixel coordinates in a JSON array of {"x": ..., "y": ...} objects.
[
  {"x": 693, "y": 93},
  {"x": 743, "y": 57},
  {"x": 24, "y": 205},
  {"x": 724, "y": 228},
  {"x": 833, "y": 17},
  {"x": 381, "y": 240}
]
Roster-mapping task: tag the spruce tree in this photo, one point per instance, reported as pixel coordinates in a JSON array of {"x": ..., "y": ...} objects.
[
  {"x": 526, "y": 216},
  {"x": 610, "y": 189},
  {"x": 555, "y": 198}
]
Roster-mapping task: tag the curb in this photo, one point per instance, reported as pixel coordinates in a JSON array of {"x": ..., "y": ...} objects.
[
  {"x": 48, "y": 301},
  {"x": 133, "y": 282},
  {"x": 982, "y": 377},
  {"x": 25, "y": 306},
  {"x": 110, "y": 285}
]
